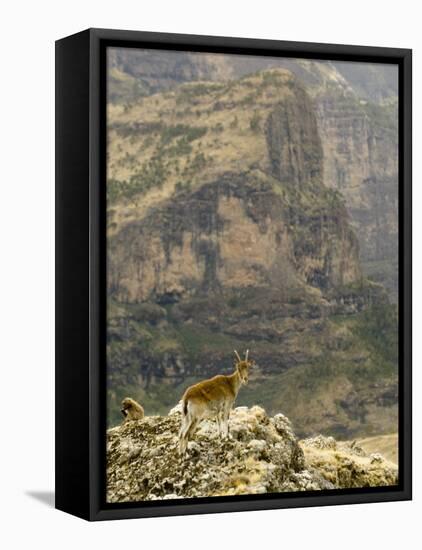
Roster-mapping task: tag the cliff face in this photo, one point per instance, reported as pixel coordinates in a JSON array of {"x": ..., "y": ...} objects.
[
  {"x": 222, "y": 235},
  {"x": 263, "y": 456},
  {"x": 357, "y": 117},
  {"x": 270, "y": 223},
  {"x": 134, "y": 73},
  {"x": 360, "y": 145},
  {"x": 230, "y": 234}
]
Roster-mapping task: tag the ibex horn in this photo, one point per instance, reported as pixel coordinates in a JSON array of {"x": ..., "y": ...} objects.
[
  {"x": 237, "y": 355},
  {"x": 246, "y": 355}
]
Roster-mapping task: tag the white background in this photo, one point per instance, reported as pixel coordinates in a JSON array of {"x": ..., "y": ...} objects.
[{"x": 29, "y": 29}]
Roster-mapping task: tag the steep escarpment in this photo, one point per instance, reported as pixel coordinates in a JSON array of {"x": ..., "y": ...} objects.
[
  {"x": 257, "y": 189},
  {"x": 294, "y": 144},
  {"x": 360, "y": 144},
  {"x": 357, "y": 117},
  {"x": 222, "y": 235},
  {"x": 233, "y": 233},
  {"x": 262, "y": 456},
  {"x": 135, "y": 73}
]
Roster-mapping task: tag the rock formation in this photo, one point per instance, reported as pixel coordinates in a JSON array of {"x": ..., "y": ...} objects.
[
  {"x": 263, "y": 456},
  {"x": 357, "y": 117}
]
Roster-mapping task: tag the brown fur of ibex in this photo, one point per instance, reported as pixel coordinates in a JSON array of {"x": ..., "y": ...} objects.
[
  {"x": 212, "y": 398},
  {"x": 131, "y": 410}
]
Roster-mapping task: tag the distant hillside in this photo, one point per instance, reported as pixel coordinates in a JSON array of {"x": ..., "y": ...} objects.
[
  {"x": 159, "y": 70},
  {"x": 372, "y": 81},
  {"x": 387, "y": 445}
]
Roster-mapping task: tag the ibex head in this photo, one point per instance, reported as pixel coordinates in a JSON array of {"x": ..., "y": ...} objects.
[{"x": 243, "y": 366}]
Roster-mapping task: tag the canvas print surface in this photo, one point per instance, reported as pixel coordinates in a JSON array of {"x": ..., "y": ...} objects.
[{"x": 252, "y": 275}]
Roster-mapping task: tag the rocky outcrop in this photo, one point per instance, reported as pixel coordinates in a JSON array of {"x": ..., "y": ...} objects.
[
  {"x": 347, "y": 465},
  {"x": 262, "y": 456},
  {"x": 360, "y": 145},
  {"x": 294, "y": 144}
]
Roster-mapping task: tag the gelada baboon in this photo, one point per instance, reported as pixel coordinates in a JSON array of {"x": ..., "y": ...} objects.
[{"x": 131, "y": 410}]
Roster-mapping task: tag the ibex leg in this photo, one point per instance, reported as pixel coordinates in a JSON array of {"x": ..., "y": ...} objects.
[
  {"x": 220, "y": 423},
  {"x": 184, "y": 432},
  {"x": 226, "y": 415}
]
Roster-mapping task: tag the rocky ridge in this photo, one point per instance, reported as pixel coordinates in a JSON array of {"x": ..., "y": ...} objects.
[{"x": 263, "y": 455}]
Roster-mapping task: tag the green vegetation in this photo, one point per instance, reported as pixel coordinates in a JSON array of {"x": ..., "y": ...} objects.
[
  {"x": 115, "y": 189},
  {"x": 249, "y": 99},
  {"x": 234, "y": 123},
  {"x": 152, "y": 174},
  {"x": 198, "y": 163},
  {"x": 255, "y": 123},
  {"x": 218, "y": 128},
  {"x": 189, "y": 133},
  {"x": 378, "y": 328},
  {"x": 188, "y": 92},
  {"x": 183, "y": 186},
  {"x": 123, "y": 88},
  {"x": 271, "y": 78},
  {"x": 173, "y": 142},
  {"x": 197, "y": 340},
  {"x": 364, "y": 353},
  {"x": 383, "y": 116},
  {"x": 134, "y": 129},
  {"x": 181, "y": 148}
]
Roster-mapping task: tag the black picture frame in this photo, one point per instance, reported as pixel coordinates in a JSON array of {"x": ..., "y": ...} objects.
[{"x": 80, "y": 272}]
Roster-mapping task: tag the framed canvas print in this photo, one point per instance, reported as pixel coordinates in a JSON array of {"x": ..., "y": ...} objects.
[{"x": 233, "y": 274}]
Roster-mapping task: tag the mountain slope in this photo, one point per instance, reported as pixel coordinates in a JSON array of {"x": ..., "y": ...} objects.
[
  {"x": 357, "y": 118},
  {"x": 221, "y": 236}
]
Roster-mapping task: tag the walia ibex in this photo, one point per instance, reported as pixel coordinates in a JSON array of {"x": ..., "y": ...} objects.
[{"x": 212, "y": 398}]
